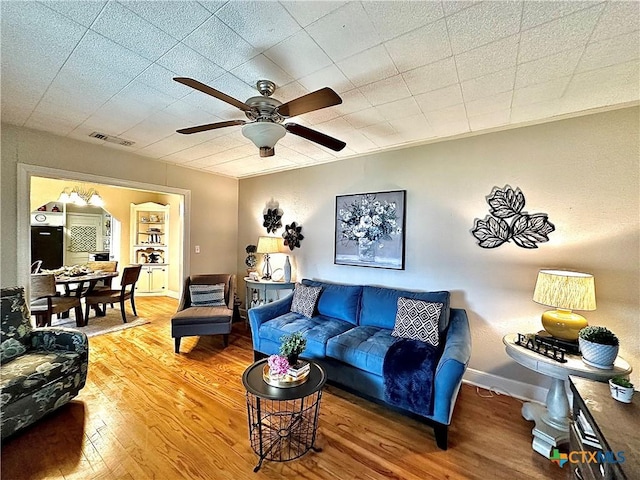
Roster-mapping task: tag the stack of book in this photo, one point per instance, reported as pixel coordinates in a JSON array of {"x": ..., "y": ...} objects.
[
  {"x": 300, "y": 369},
  {"x": 585, "y": 432}
]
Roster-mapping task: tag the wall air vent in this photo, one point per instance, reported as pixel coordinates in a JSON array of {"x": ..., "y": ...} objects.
[{"x": 112, "y": 139}]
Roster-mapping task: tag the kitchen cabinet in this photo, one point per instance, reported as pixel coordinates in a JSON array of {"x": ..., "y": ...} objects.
[{"x": 150, "y": 246}]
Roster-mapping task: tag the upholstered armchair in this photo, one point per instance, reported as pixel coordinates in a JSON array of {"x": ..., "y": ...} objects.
[
  {"x": 41, "y": 368},
  {"x": 206, "y": 307}
]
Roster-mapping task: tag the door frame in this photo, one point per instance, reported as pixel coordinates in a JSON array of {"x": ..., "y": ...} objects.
[{"x": 26, "y": 171}]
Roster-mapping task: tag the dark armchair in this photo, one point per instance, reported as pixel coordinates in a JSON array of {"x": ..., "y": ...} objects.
[{"x": 195, "y": 320}]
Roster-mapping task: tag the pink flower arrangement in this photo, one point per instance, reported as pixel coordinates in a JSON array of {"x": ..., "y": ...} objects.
[{"x": 278, "y": 365}]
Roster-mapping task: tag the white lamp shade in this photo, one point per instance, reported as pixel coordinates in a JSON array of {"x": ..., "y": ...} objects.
[
  {"x": 264, "y": 134},
  {"x": 96, "y": 200},
  {"x": 268, "y": 244},
  {"x": 565, "y": 290}
]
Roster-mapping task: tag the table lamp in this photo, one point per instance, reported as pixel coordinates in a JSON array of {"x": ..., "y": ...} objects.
[
  {"x": 566, "y": 291},
  {"x": 266, "y": 246}
]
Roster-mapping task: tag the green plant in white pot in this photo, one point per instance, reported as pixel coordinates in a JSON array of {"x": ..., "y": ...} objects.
[
  {"x": 621, "y": 389},
  {"x": 599, "y": 346}
]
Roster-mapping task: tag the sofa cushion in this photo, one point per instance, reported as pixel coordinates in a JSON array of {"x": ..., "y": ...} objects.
[
  {"x": 379, "y": 306},
  {"x": 28, "y": 373},
  {"x": 338, "y": 301},
  {"x": 317, "y": 330},
  {"x": 207, "y": 295},
  {"x": 305, "y": 299},
  {"x": 362, "y": 347},
  {"x": 198, "y": 315},
  {"x": 417, "y": 320},
  {"x": 15, "y": 324}
]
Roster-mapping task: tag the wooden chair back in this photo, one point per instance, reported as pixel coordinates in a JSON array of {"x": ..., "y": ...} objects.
[
  {"x": 130, "y": 275},
  {"x": 36, "y": 266},
  {"x": 42, "y": 285},
  {"x": 105, "y": 266}
]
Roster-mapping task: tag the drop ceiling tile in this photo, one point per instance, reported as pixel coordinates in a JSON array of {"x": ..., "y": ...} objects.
[
  {"x": 344, "y": 32},
  {"x": 483, "y": 23},
  {"x": 236, "y": 88},
  {"x": 564, "y": 33},
  {"x": 138, "y": 92},
  {"x": 329, "y": 76},
  {"x": 364, "y": 118},
  {"x": 309, "y": 151},
  {"x": 262, "y": 24},
  {"x": 111, "y": 125},
  {"x": 451, "y": 129},
  {"x": 420, "y": 47},
  {"x": 11, "y": 113},
  {"x": 486, "y": 105},
  {"x": 154, "y": 128},
  {"x": 608, "y": 79},
  {"x": 441, "y": 98},
  {"x": 537, "y": 13},
  {"x": 534, "y": 111},
  {"x": 161, "y": 79},
  {"x": 129, "y": 30},
  {"x": 451, "y": 7},
  {"x": 352, "y": 101},
  {"x": 306, "y": 13},
  {"x": 610, "y": 51},
  {"x": 541, "y": 92},
  {"x": 385, "y": 91},
  {"x": 412, "y": 124},
  {"x": 191, "y": 113},
  {"x": 488, "y": 85},
  {"x": 50, "y": 123},
  {"x": 399, "y": 108},
  {"x": 320, "y": 116},
  {"x": 431, "y": 77},
  {"x": 489, "y": 120},
  {"x": 171, "y": 144},
  {"x": 548, "y": 68},
  {"x": 82, "y": 12},
  {"x": 212, "y": 5},
  {"x": 388, "y": 141},
  {"x": 378, "y": 130},
  {"x": 334, "y": 128},
  {"x": 617, "y": 18},
  {"x": 287, "y": 55},
  {"x": 392, "y": 19},
  {"x": 259, "y": 68},
  {"x": 220, "y": 44},
  {"x": 454, "y": 114},
  {"x": 358, "y": 142},
  {"x": 489, "y": 58},
  {"x": 224, "y": 156},
  {"x": 178, "y": 19},
  {"x": 369, "y": 66},
  {"x": 186, "y": 62}
]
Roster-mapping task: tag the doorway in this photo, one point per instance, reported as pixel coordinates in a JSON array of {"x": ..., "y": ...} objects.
[{"x": 126, "y": 192}]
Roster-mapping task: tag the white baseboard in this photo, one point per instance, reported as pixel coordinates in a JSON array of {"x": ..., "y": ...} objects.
[{"x": 520, "y": 390}]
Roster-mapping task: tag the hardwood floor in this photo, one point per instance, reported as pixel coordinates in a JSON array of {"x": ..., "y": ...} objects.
[{"x": 149, "y": 413}]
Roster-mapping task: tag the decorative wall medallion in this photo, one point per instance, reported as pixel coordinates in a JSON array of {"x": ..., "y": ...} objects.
[
  {"x": 272, "y": 217},
  {"x": 292, "y": 236},
  {"x": 526, "y": 230},
  {"x": 251, "y": 261}
]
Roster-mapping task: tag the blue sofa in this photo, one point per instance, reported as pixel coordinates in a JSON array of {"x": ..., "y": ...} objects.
[{"x": 350, "y": 334}]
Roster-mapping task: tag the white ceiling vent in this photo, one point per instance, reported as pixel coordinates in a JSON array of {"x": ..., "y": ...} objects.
[{"x": 112, "y": 139}]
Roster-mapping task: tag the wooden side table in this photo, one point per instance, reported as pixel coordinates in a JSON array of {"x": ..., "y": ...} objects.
[
  {"x": 261, "y": 287},
  {"x": 552, "y": 420}
]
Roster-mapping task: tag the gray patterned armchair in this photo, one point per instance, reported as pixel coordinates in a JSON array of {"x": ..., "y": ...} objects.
[{"x": 41, "y": 368}]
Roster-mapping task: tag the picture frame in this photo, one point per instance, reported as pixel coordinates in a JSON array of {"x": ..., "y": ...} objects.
[{"x": 370, "y": 229}]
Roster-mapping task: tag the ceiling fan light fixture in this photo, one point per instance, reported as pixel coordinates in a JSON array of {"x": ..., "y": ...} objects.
[{"x": 264, "y": 135}]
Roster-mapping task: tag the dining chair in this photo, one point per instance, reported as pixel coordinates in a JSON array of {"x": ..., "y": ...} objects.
[
  {"x": 130, "y": 276},
  {"x": 45, "y": 300},
  {"x": 36, "y": 266}
]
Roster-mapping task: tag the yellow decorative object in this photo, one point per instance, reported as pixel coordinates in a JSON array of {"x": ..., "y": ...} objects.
[{"x": 566, "y": 291}]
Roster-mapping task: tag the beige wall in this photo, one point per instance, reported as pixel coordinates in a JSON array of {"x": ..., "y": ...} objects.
[
  {"x": 213, "y": 208},
  {"x": 583, "y": 172}
]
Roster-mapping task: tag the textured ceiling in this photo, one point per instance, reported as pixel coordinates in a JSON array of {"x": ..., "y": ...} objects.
[{"x": 407, "y": 72}]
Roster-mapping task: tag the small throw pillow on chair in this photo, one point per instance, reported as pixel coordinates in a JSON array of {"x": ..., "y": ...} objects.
[
  {"x": 207, "y": 295},
  {"x": 305, "y": 299},
  {"x": 418, "y": 320}
]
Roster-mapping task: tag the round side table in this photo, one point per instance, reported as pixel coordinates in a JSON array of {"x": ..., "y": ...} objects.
[
  {"x": 282, "y": 421},
  {"x": 552, "y": 419}
]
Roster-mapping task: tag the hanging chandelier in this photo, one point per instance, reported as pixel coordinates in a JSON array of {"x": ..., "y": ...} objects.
[{"x": 81, "y": 197}]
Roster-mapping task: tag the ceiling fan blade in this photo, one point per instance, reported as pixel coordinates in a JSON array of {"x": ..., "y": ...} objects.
[
  {"x": 210, "y": 126},
  {"x": 315, "y": 136},
  {"x": 325, "y": 97},
  {"x": 190, "y": 82}
]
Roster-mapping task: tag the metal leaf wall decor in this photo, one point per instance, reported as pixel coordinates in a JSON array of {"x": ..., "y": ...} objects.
[
  {"x": 526, "y": 229},
  {"x": 292, "y": 236},
  {"x": 272, "y": 219}
]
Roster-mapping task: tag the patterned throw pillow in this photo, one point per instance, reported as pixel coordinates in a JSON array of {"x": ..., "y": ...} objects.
[
  {"x": 418, "y": 320},
  {"x": 305, "y": 299},
  {"x": 16, "y": 324},
  {"x": 207, "y": 295}
]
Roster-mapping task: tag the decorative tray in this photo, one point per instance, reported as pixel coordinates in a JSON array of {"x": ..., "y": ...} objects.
[{"x": 284, "y": 382}]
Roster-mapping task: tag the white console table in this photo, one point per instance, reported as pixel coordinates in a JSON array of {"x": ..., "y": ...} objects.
[
  {"x": 260, "y": 288},
  {"x": 552, "y": 420}
]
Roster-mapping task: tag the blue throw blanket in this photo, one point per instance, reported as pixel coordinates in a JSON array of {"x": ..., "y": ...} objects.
[{"x": 408, "y": 370}]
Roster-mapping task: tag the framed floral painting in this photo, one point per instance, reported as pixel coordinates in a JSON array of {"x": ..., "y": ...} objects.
[{"x": 370, "y": 229}]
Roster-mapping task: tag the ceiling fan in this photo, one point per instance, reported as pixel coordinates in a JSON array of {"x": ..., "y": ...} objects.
[{"x": 267, "y": 114}]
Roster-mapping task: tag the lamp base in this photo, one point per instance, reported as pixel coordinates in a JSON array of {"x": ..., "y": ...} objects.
[{"x": 563, "y": 324}]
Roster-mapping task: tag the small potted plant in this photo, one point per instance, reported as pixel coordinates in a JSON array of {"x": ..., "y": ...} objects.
[
  {"x": 599, "y": 346},
  {"x": 621, "y": 389},
  {"x": 292, "y": 346}
]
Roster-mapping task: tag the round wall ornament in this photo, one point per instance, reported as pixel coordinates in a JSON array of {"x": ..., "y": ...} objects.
[{"x": 292, "y": 235}]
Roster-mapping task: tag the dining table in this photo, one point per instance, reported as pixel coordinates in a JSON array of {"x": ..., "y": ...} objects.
[{"x": 88, "y": 279}]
